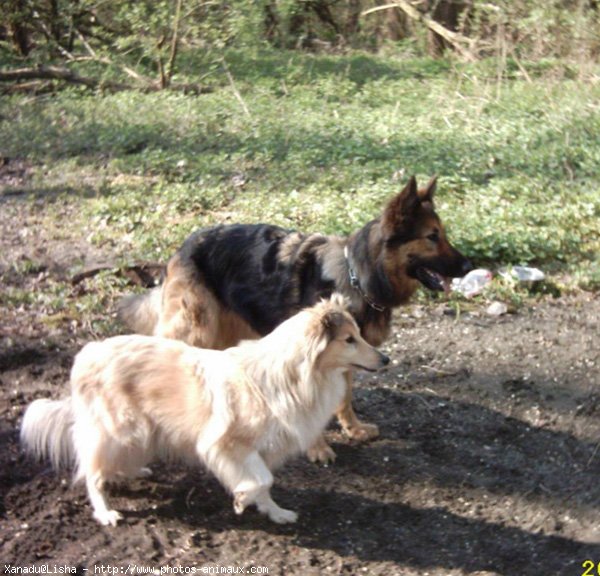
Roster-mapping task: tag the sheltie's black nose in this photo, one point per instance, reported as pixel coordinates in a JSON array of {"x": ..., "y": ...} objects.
[{"x": 385, "y": 360}]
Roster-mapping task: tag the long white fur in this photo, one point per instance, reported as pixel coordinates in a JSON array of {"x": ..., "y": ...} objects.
[
  {"x": 242, "y": 411},
  {"x": 46, "y": 429}
]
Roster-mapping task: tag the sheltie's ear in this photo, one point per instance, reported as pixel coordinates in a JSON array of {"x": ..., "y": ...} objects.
[
  {"x": 339, "y": 301},
  {"x": 331, "y": 323},
  {"x": 333, "y": 313},
  {"x": 320, "y": 332},
  {"x": 323, "y": 323}
]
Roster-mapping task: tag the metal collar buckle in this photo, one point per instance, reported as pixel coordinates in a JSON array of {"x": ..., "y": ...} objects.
[{"x": 355, "y": 283}]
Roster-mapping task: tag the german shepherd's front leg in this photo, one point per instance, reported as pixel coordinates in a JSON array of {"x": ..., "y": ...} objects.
[
  {"x": 350, "y": 423},
  {"x": 352, "y": 426}
]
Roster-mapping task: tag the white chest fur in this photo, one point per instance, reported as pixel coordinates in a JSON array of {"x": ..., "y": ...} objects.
[{"x": 303, "y": 425}]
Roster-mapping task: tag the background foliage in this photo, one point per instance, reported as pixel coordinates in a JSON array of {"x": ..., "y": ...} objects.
[
  {"x": 311, "y": 117},
  {"x": 143, "y": 32}
]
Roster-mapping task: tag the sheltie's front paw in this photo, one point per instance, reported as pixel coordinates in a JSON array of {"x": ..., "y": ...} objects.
[
  {"x": 282, "y": 516},
  {"x": 107, "y": 517},
  {"x": 321, "y": 452}
]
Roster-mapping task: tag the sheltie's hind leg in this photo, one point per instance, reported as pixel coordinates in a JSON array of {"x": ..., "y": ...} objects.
[
  {"x": 94, "y": 467},
  {"x": 102, "y": 513}
]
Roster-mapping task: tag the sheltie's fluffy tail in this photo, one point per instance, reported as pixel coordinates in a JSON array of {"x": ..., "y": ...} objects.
[
  {"x": 139, "y": 312},
  {"x": 47, "y": 431}
]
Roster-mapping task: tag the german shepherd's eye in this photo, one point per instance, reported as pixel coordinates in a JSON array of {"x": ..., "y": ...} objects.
[
  {"x": 350, "y": 340},
  {"x": 434, "y": 236}
]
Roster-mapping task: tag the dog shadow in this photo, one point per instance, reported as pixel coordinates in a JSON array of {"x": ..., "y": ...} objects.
[
  {"x": 456, "y": 443},
  {"x": 449, "y": 445},
  {"x": 360, "y": 506},
  {"x": 375, "y": 531}
]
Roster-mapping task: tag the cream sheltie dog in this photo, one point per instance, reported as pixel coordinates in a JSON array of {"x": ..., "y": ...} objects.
[{"x": 242, "y": 411}]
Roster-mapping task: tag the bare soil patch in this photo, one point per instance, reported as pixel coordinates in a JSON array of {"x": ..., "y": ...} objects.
[{"x": 488, "y": 460}]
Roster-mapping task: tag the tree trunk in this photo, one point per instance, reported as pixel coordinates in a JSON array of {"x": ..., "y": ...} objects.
[
  {"x": 55, "y": 24},
  {"x": 174, "y": 42},
  {"x": 271, "y": 23},
  {"x": 321, "y": 9},
  {"x": 17, "y": 27},
  {"x": 297, "y": 24},
  {"x": 20, "y": 38},
  {"x": 397, "y": 27},
  {"x": 66, "y": 75},
  {"x": 352, "y": 25},
  {"x": 447, "y": 13}
]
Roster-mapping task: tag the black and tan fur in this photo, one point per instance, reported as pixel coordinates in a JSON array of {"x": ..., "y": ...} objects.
[{"x": 233, "y": 282}]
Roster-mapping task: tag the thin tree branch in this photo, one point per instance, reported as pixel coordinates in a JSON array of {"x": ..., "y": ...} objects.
[
  {"x": 86, "y": 44},
  {"x": 174, "y": 42},
  {"x": 161, "y": 66},
  {"x": 234, "y": 89},
  {"x": 453, "y": 38},
  {"x": 54, "y": 73},
  {"x": 31, "y": 87},
  {"x": 66, "y": 75}
]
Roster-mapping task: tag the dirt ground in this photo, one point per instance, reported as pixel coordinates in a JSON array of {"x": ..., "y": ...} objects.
[{"x": 488, "y": 460}]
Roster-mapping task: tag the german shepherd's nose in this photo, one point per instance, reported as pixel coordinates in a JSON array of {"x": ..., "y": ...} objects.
[{"x": 466, "y": 266}]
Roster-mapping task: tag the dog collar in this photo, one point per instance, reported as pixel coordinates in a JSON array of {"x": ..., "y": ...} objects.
[{"x": 355, "y": 283}]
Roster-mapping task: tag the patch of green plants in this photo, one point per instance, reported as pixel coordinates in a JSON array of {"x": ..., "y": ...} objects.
[{"x": 320, "y": 143}]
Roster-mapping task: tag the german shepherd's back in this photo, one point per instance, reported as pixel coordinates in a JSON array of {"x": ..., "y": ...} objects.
[{"x": 231, "y": 282}]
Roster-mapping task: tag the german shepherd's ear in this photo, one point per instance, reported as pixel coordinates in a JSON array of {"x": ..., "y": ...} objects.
[
  {"x": 402, "y": 208},
  {"x": 426, "y": 194}
]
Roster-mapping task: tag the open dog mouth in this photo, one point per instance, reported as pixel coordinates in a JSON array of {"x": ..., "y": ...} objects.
[{"x": 432, "y": 279}]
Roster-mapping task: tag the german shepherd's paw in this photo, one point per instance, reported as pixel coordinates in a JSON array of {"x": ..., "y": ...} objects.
[
  {"x": 321, "y": 452},
  {"x": 362, "y": 432}
]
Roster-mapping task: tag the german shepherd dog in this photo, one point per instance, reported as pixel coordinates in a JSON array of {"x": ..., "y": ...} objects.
[{"x": 232, "y": 282}]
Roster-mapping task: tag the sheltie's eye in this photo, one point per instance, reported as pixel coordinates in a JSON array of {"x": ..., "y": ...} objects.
[{"x": 350, "y": 340}]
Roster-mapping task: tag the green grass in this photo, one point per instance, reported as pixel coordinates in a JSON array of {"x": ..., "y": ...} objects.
[{"x": 319, "y": 143}]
